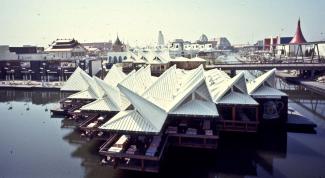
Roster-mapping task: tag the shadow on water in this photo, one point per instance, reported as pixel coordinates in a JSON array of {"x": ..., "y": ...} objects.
[
  {"x": 272, "y": 153},
  {"x": 237, "y": 156},
  {"x": 36, "y": 97}
]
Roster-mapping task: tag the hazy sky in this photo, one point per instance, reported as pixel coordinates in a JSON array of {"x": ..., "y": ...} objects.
[{"x": 39, "y": 22}]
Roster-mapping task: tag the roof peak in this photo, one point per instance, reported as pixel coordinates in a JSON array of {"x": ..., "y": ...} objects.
[{"x": 299, "y": 37}]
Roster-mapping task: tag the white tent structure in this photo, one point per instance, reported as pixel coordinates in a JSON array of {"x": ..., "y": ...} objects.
[
  {"x": 114, "y": 76},
  {"x": 113, "y": 99},
  {"x": 93, "y": 91},
  {"x": 110, "y": 98},
  {"x": 226, "y": 90},
  {"x": 78, "y": 81},
  {"x": 186, "y": 93},
  {"x": 175, "y": 92},
  {"x": 264, "y": 86}
]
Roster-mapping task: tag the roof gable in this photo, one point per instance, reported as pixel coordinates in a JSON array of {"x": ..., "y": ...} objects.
[
  {"x": 268, "y": 78},
  {"x": 114, "y": 76},
  {"x": 76, "y": 81}
]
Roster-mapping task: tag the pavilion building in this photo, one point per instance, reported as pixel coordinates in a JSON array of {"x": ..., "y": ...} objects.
[{"x": 141, "y": 115}]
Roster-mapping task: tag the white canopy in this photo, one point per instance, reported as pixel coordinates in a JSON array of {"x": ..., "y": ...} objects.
[{"x": 78, "y": 81}]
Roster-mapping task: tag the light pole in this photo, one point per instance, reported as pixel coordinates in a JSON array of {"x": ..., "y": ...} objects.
[
  {"x": 30, "y": 74},
  {"x": 6, "y": 69},
  {"x": 24, "y": 73},
  {"x": 59, "y": 72},
  {"x": 48, "y": 75},
  {"x": 65, "y": 74},
  {"x": 42, "y": 70},
  {"x": 13, "y": 74}
]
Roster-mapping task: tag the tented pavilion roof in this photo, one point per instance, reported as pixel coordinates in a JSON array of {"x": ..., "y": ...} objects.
[
  {"x": 114, "y": 76},
  {"x": 78, "y": 81},
  {"x": 299, "y": 37},
  {"x": 177, "y": 92},
  {"x": 264, "y": 86},
  {"x": 113, "y": 99}
]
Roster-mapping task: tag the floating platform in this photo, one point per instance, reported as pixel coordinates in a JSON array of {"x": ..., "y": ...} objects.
[
  {"x": 58, "y": 112},
  {"x": 298, "y": 123},
  {"x": 317, "y": 87}
]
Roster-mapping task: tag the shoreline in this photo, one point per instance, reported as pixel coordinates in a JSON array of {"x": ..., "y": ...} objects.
[{"x": 30, "y": 85}]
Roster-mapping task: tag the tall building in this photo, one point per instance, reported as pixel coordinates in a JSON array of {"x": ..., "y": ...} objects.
[{"x": 161, "y": 41}]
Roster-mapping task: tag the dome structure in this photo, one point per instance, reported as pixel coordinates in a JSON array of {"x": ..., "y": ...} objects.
[{"x": 203, "y": 38}]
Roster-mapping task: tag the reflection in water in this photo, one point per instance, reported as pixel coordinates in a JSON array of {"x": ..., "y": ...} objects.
[
  {"x": 34, "y": 96},
  {"x": 61, "y": 152}
]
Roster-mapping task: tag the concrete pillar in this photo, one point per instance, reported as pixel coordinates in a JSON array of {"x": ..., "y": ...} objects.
[
  {"x": 312, "y": 73},
  {"x": 232, "y": 72}
]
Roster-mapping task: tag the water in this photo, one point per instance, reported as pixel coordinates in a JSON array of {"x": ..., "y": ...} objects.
[{"x": 34, "y": 145}]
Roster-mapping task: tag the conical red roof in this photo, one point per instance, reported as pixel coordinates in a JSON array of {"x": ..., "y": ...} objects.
[{"x": 299, "y": 37}]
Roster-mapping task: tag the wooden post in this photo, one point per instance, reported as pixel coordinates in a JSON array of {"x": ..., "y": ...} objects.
[
  {"x": 142, "y": 165},
  {"x": 256, "y": 114},
  {"x": 302, "y": 53},
  {"x": 233, "y": 114},
  {"x": 313, "y": 54},
  {"x": 318, "y": 53}
]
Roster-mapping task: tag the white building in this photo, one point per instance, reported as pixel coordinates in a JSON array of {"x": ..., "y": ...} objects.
[
  {"x": 203, "y": 46},
  {"x": 66, "y": 49},
  {"x": 5, "y": 54}
]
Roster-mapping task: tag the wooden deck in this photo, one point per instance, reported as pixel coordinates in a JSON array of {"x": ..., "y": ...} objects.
[
  {"x": 137, "y": 162},
  {"x": 58, "y": 112}
]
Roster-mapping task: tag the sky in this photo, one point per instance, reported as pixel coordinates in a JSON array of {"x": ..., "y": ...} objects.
[{"x": 137, "y": 22}]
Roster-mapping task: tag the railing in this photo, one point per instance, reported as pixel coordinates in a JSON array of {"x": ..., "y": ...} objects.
[
  {"x": 240, "y": 126},
  {"x": 194, "y": 141},
  {"x": 84, "y": 124}
]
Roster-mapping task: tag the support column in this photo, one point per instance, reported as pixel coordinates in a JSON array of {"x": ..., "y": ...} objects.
[
  {"x": 318, "y": 53},
  {"x": 313, "y": 54},
  {"x": 312, "y": 73},
  {"x": 257, "y": 114},
  {"x": 302, "y": 53},
  {"x": 232, "y": 72},
  {"x": 233, "y": 114}
]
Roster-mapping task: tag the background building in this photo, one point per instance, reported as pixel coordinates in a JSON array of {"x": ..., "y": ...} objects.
[{"x": 66, "y": 49}]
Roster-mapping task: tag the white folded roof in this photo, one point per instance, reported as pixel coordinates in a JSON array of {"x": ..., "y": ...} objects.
[
  {"x": 264, "y": 86},
  {"x": 196, "y": 108},
  {"x": 102, "y": 104},
  {"x": 130, "y": 121},
  {"x": 78, "y": 81},
  {"x": 85, "y": 94},
  {"x": 114, "y": 76},
  {"x": 187, "y": 93}
]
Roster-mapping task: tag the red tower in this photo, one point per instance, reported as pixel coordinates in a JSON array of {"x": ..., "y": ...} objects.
[{"x": 299, "y": 37}]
